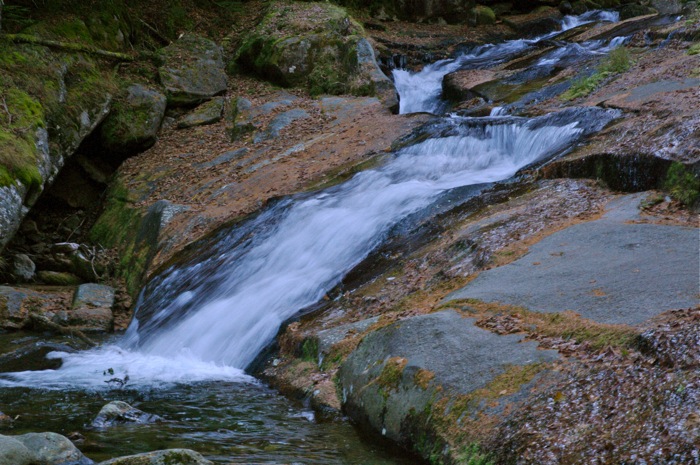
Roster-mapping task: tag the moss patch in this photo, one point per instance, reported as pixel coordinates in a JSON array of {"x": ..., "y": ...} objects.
[
  {"x": 618, "y": 61},
  {"x": 390, "y": 377},
  {"x": 567, "y": 325},
  {"x": 682, "y": 184},
  {"x": 117, "y": 227}
]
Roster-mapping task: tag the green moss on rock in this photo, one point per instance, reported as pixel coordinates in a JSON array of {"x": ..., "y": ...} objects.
[
  {"x": 312, "y": 45},
  {"x": 482, "y": 15}
]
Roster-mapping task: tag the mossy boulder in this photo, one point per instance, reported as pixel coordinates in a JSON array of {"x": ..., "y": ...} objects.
[
  {"x": 412, "y": 381},
  {"x": 192, "y": 71},
  {"x": 633, "y": 10},
  {"x": 482, "y": 15},
  {"x": 133, "y": 231},
  {"x": 317, "y": 46},
  {"x": 134, "y": 121},
  {"x": 207, "y": 113},
  {"x": 49, "y": 102}
]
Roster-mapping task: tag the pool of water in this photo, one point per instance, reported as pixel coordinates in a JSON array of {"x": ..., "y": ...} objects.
[{"x": 225, "y": 421}]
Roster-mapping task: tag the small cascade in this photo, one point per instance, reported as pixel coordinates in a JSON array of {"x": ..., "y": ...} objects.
[{"x": 421, "y": 91}]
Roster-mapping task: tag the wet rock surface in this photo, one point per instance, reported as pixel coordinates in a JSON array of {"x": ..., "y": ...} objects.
[
  {"x": 161, "y": 457},
  {"x": 40, "y": 448},
  {"x": 118, "y": 412}
]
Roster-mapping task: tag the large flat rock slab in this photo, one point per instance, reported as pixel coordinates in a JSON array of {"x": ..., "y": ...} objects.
[
  {"x": 613, "y": 270},
  {"x": 401, "y": 370}
]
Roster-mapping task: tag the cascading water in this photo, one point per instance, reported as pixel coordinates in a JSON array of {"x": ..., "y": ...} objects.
[
  {"x": 295, "y": 252},
  {"x": 421, "y": 91}
]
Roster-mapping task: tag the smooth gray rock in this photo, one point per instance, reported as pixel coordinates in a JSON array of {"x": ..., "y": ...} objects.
[
  {"x": 162, "y": 457},
  {"x": 279, "y": 123},
  {"x": 50, "y": 449},
  {"x": 193, "y": 70},
  {"x": 133, "y": 123},
  {"x": 610, "y": 270},
  {"x": 92, "y": 309},
  {"x": 118, "y": 412},
  {"x": 207, "y": 113},
  {"x": 461, "y": 356},
  {"x": 384, "y": 88},
  {"x": 13, "y": 452},
  {"x": 329, "y": 337},
  {"x": 93, "y": 295},
  {"x": 23, "y": 268}
]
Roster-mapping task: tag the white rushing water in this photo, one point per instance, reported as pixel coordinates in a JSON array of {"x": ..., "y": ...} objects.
[
  {"x": 297, "y": 256},
  {"x": 421, "y": 91}
]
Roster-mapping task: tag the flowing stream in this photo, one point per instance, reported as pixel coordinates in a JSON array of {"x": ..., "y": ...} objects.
[{"x": 200, "y": 324}]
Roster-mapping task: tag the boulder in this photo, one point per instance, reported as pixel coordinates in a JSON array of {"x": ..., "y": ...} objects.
[
  {"x": 117, "y": 413},
  {"x": 134, "y": 121},
  {"x": 93, "y": 295},
  {"x": 40, "y": 449},
  {"x": 400, "y": 378},
  {"x": 192, "y": 71},
  {"x": 540, "y": 21},
  {"x": 633, "y": 10},
  {"x": 91, "y": 310},
  {"x": 58, "y": 278},
  {"x": 162, "y": 457},
  {"x": 16, "y": 304},
  {"x": 206, "y": 113},
  {"x": 457, "y": 86},
  {"x": 317, "y": 46},
  {"x": 482, "y": 15},
  {"x": 69, "y": 93},
  {"x": 23, "y": 268},
  {"x": 13, "y": 452}
]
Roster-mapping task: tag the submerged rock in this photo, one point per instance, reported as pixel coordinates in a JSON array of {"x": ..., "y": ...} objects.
[
  {"x": 32, "y": 356},
  {"x": 40, "y": 449},
  {"x": 193, "y": 70},
  {"x": 162, "y": 457},
  {"x": 117, "y": 412}
]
